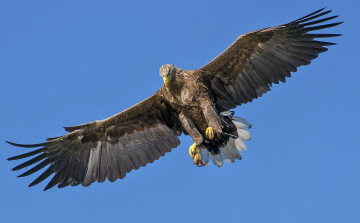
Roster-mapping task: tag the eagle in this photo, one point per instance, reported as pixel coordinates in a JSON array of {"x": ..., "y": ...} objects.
[{"x": 198, "y": 103}]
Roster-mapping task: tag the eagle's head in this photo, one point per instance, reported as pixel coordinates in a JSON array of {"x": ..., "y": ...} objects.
[{"x": 167, "y": 73}]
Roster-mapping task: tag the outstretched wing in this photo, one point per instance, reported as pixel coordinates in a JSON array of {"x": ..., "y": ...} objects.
[
  {"x": 110, "y": 148},
  {"x": 256, "y": 60}
]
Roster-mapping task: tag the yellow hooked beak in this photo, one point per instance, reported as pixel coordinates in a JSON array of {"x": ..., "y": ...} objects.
[{"x": 166, "y": 81}]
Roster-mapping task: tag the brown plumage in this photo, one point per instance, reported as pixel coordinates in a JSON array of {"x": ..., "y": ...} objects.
[{"x": 195, "y": 103}]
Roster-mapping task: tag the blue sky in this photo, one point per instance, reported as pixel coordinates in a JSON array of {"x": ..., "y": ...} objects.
[{"x": 65, "y": 63}]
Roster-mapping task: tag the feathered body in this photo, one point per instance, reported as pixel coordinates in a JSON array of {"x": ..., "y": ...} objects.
[{"x": 187, "y": 94}]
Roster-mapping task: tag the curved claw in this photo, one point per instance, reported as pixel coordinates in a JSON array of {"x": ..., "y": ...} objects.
[
  {"x": 198, "y": 162},
  {"x": 209, "y": 132},
  {"x": 193, "y": 150}
]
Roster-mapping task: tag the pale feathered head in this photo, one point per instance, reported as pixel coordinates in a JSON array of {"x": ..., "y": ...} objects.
[{"x": 167, "y": 72}]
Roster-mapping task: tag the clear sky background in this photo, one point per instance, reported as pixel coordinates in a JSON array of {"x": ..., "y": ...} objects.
[{"x": 64, "y": 63}]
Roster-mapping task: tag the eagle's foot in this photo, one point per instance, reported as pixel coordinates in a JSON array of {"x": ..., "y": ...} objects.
[
  {"x": 198, "y": 162},
  {"x": 209, "y": 132},
  {"x": 193, "y": 150}
]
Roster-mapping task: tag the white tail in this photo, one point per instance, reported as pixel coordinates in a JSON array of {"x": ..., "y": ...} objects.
[{"x": 232, "y": 149}]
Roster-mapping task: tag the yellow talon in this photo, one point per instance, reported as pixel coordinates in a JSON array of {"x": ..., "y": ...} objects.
[
  {"x": 193, "y": 150},
  {"x": 209, "y": 132},
  {"x": 198, "y": 162},
  {"x": 195, "y": 154}
]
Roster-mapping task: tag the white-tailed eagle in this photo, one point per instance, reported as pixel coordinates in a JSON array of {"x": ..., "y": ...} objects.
[{"x": 194, "y": 102}]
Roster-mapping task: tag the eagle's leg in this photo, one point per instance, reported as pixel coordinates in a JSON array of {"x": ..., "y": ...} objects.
[
  {"x": 212, "y": 119},
  {"x": 190, "y": 128}
]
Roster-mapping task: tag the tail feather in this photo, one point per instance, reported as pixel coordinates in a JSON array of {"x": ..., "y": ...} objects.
[
  {"x": 240, "y": 144},
  {"x": 204, "y": 154},
  {"x": 244, "y": 134},
  {"x": 229, "y": 155},
  {"x": 226, "y": 159},
  {"x": 241, "y": 120},
  {"x": 216, "y": 159},
  {"x": 233, "y": 152}
]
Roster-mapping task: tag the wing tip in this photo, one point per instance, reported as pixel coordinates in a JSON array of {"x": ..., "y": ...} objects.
[
  {"x": 11, "y": 143},
  {"x": 49, "y": 186},
  {"x": 22, "y": 175},
  {"x": 27, "y": 145}
]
